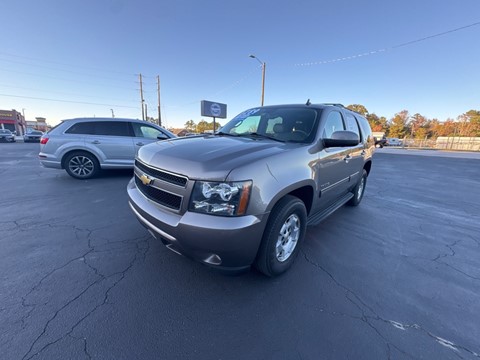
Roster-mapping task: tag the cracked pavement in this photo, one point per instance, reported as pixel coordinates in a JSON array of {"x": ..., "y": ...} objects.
[{"x": 396, "y": 278}]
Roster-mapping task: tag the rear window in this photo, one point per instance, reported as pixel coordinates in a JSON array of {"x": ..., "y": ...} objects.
[
  {"x": 84, "y": 128},
  {"x": 108, "y": 128}
]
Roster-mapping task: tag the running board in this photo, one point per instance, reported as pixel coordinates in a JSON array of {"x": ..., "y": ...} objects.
[{"x": 318, "y": 217}]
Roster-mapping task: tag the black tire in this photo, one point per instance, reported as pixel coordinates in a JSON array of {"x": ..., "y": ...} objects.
[
  {"x": 81, "y": 165},
  {"x": 289, "y": 211},
  {"x": 359, "y": 190}
]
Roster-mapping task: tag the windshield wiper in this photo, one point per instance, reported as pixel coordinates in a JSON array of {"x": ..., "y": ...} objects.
[
  {"x": 263, "y": 136},
  {"x": 224, "y": 133}
]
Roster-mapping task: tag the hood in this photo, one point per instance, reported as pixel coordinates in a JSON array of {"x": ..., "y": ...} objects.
[{"x": 208, "y": 157}]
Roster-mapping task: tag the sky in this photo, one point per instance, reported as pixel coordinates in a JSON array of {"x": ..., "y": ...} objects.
[{"x": 65, "y": 59}]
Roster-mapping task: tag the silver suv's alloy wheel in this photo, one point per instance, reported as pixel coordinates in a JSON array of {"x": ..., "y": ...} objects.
[
  {"x": 288, "y": 238},
  {"x": 81, "y": 165}
]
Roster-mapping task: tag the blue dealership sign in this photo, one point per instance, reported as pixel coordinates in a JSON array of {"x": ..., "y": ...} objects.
[{"x": 213, "y": 109}]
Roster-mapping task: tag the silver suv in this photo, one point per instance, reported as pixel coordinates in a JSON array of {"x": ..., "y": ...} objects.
[
  {"x": 246, "y": 194},
  {"x": 84, "y": 146}
]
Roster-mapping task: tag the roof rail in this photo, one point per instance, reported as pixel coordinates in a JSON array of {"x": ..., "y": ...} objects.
[{"x": 334, "y": 104}]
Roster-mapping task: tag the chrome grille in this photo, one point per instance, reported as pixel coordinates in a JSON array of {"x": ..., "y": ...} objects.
[
  {"x": 164, "y": 198},
  {"x": 162, "y": 175}
]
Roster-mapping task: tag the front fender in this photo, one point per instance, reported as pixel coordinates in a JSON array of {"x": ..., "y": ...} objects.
[{"x": 277, "y": 176}]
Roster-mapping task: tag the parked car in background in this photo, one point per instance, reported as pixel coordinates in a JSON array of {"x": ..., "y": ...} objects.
[
  {"x": 380, "y": 142},
  {"x": 394, "y": 142},
  {"x": 6, "y": 135},
  {"x": 84, "y": 146},
  {"x": 33, "y": 135}
]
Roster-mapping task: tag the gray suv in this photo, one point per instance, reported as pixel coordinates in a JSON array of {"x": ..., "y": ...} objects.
[
  {"x": 246, "y": 194},
  {"x": 84, "y": 146}
]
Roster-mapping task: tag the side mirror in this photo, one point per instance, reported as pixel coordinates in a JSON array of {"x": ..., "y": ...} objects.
[
  {"x": 341, "y": 139},
  {"x": 162, "y": 136}
]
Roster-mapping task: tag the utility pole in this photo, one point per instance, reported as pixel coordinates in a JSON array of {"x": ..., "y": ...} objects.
[
  {"x": 146, "y": 115},
  {"x": 141, "y": 96},
  {"x": 264, "y": 65},
  {"x": 113, "y": 114},
  {"x": 158, "y": 93}
]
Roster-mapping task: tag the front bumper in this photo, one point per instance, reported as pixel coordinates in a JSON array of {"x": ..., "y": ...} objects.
[
  {"x": 7, "y": 139},
  {"x": 229, "y": 243}
]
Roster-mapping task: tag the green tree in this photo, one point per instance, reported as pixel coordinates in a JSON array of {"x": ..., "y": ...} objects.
[
  {"x": 190, "y": 125},
  {"x": 202, "y": 126},
  {"x": 217, "y": 126},
  {"x": 398, "y": 124},
  {"x": 469, "y": 123},
  {"x": 358, "y": 108}
]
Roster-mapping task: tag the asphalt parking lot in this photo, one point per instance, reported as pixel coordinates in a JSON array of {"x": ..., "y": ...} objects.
[{"x": 396, "y": 278}]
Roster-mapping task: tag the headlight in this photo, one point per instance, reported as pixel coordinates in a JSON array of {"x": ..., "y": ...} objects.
[{"x": 224, "y": 199}]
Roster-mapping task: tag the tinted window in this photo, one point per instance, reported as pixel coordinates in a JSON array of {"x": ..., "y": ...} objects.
[
  {"x": 367, "y": 132},
  {"x": 146, "y": 131},
  {"x": 352, "y": 124},
  {"x": 112, "y": 128},
  {"x": 334, "y": 123},
  {"x": 84, "y": 128}
]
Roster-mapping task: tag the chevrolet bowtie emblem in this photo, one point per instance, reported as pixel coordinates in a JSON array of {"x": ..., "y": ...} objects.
[{"x": 146, "y": 180}]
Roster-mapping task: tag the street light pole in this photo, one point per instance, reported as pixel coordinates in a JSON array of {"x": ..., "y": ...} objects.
[{"x": 264, "y": 65}]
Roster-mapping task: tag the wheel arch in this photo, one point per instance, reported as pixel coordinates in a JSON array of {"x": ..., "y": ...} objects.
[
  {"x": 304, "y": 191},
  {"x": 65, "y": 156}
]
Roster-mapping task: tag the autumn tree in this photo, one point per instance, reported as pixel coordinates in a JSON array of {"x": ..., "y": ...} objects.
[
  {"x": 398, "y": 124},
  {"x": 418, "y": 126},
  {"x": 378, "y": 124}
]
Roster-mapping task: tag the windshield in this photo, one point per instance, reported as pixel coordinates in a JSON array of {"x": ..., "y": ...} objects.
[
  {"x": 286, "y": 124},
  {"x": 5, "y": 132}
]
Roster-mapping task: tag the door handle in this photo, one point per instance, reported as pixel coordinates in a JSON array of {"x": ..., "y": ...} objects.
[
  {"x": 140, "y": 144},
  {"x": 95, "y": 142},
  {"x": 347, "y": 158},
  {"x": 363, "y": 152}
]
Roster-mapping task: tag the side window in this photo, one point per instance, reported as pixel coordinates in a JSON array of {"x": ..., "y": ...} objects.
[
  {"x": 334, "y": 123},
  {"x": 352, "y": 124},
  {"x": 146, "y": 131},
  {"x": 84, "y": 128},
  {"x": 365, "y": 126},
  {"x": 112, "y": 128}
]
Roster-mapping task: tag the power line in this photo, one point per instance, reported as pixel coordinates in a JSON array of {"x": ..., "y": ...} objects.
[
  {"x": 62, "y": 79},
  {"x": 67, "y": 101},
  {"x": 64, "y": 64},
  {"x": 60, "y": 92},
  {"x": 388, "y": 48},
  {"x": 69, "y": 71}
]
